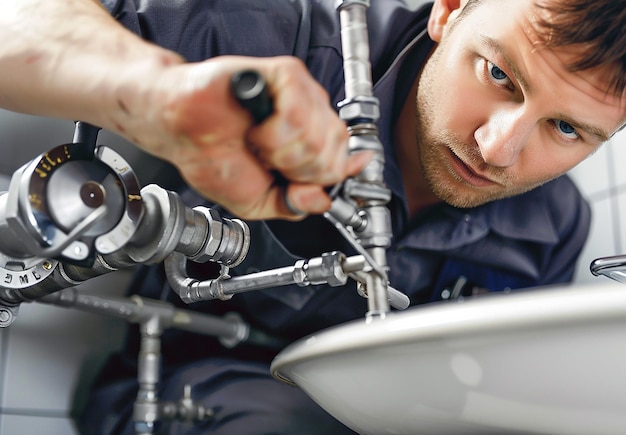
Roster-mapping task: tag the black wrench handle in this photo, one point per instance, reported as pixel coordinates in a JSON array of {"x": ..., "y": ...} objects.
[{"x": 250, "y": 90}]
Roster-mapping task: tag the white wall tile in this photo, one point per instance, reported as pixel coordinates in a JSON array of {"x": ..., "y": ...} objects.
[
  {"x": 596, "y": 181},
  {"x": 592, "y": 176},
  {"x": 619, "y": 217},
  {"x": 600, "y": 243},
  {"x": 618, "y": 162}
]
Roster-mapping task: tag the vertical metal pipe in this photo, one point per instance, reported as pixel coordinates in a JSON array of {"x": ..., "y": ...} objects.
[
  {"x": 355, "y": 46},
  {"x": 360, "y": 110},
  {"x": 146, "y": 407}
]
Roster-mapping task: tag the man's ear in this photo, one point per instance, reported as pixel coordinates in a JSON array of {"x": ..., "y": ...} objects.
[{"x": 440, "y": 15}]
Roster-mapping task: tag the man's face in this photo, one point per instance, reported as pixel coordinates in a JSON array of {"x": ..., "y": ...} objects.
[{"x": 499, "y": 114}]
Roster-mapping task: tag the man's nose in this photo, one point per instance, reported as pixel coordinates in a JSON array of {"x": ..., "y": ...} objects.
[{"x": 502, "y": 137}]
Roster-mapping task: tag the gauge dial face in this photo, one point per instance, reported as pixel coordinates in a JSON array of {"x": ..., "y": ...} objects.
[{"x": 67, "y": 184}]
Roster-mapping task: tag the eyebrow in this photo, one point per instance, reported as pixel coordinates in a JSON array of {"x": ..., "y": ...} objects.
[{"x": 499, "y": 49}]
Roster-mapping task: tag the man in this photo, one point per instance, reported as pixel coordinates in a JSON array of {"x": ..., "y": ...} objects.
[{"x": 482, "y": 102}]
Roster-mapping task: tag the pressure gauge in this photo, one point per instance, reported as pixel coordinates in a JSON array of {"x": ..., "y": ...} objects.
[{"x": 71, "y": 203}]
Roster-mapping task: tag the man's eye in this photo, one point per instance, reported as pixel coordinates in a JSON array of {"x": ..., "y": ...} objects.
[
  {"x": 497, "y": 75},
  {"x": 566, "y": 129}
]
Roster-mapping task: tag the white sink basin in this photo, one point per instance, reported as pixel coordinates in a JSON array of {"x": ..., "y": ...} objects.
[{"x": 545, "y": 361}]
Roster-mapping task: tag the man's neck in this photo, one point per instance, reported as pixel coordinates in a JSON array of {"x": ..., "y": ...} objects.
[{"x": 418, "y": 192}]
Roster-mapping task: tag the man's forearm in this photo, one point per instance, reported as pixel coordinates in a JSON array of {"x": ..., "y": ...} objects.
[{"x": 71, "y": 59}]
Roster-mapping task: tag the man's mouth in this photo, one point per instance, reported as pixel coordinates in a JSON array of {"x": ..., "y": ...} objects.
[{"x": 468, "y": 174}]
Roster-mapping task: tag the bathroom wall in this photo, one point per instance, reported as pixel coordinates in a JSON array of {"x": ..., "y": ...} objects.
[{"x": 602, "y": 180}]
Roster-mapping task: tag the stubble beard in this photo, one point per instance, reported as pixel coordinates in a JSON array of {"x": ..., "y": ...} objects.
[{"x": 433, "y": 144}]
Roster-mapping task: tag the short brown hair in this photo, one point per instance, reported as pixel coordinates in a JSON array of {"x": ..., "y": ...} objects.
[{"x": 598, "y": 27}]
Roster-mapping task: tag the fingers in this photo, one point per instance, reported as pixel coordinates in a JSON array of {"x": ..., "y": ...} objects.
[
  {"x": 304, "y": 199},
  {"x": 293, "y": 202},
  {"x": 303, "y": 139},
  {"x": 296, "y": 201},
  {"x": 248, "y": 190},
  {"x": 229, "y": 159}
]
